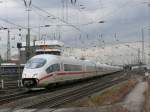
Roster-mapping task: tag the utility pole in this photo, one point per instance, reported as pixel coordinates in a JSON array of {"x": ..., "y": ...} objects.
[
  {"x": 143, "y": 53},
  {"x": 139, "y": 61},
  {"x": 149, "y": 50},
  {"x": 28, "y": 53},
  {"x": 149, "y": 40},
  {"x": 8, "y": 47},
  {"x": 148, "y": 3}
]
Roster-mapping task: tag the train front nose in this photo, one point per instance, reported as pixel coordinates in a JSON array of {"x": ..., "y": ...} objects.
[
  {"x": 29, "y": 79},
  {"x": 29, "y": 82}
]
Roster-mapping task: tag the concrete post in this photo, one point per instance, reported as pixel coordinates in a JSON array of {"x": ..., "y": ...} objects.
[
  {"x": 2, "y": 84},
  {"x": 21, "y": 83},
  {"x": 18, "y": 83}
]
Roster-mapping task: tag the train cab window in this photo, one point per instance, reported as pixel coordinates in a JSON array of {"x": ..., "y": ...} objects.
[
  {"x": 53, "y": 68},
  {"x": 35, "y": 63}
]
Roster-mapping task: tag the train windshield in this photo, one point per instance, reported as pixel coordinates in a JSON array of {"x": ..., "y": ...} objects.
[{"x": 35, "y": 63}]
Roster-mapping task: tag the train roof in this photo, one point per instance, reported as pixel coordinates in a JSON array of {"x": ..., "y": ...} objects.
[
  {"x": 63, "y": 58},
  {"x": 72, "y": 60},
  {"x": 106, "y": 65}
]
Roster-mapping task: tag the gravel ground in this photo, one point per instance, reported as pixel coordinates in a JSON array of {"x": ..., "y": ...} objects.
[
  {"x": 83, "y": 109},
  {"x": 134, "y": 101}
]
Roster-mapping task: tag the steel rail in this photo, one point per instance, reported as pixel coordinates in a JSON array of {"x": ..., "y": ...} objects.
[
  {"x": 42, "y": 97},
  {"x": 52, "y": 97},
  {"x": 75, "y": 94}
]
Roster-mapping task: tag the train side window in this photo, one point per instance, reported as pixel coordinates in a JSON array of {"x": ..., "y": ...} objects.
[
  {"x": 90, "y": 68},
  {"x": 56, "y": 67},
  {"x": 69, "y": 67},
  {"x": 53, "y": 68}
]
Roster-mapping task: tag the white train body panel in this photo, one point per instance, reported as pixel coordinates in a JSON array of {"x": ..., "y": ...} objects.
[{"x": 43, "y": 70}]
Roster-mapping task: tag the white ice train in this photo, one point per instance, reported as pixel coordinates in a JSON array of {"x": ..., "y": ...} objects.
[{"x": 45, "y": 70}]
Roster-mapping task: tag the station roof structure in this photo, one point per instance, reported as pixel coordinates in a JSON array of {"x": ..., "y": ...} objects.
[{"x": 46, "y": 42}]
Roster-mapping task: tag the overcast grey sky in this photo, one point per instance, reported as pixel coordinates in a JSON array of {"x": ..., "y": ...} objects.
[{"x": 126, "y": 18}]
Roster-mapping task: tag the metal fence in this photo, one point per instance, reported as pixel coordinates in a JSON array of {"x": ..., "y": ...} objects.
[
  {"x": 9, "y": 70},
  {"x": 7, "y": 85}
]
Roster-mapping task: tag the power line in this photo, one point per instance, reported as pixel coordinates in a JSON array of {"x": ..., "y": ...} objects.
[
  {"x": 118, "y": 10},
  {"x": 56, "y": 17},
  {"x": 60, "y": 19},
  {"x": 9, "y": 22},
  {"x": 79, "y": 9},
  {"x": 109, "y": 14}
]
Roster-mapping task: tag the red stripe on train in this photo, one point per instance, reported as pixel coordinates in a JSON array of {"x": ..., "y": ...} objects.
[
  {"x": 45, "y": 77},
  {"x": 64, "y": 73},
  {"x": 74, "y": 73}
]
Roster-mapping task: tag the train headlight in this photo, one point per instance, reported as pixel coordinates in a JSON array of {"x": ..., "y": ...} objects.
[{"x": 35, "y": 75}]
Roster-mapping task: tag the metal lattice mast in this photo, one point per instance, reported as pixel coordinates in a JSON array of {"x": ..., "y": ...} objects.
[
  {"x": 149, "y": 51},
  {"x": 143, "y": 50},
  {"x": 28, "y": 4},
  {"x": 149, "y": 40}
]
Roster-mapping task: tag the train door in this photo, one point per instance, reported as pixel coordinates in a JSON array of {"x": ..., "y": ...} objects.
[
  {"x": 84, "y": 70},
  {"x": 56, "y": 71},
  {"x": 53, "y": 70},
  {"x": 58, "y": 77}
]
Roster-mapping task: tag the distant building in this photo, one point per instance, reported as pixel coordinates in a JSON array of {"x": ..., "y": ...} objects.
[
  {"x": 41, "y": 47},
  {"x": 49, "y": 47}
]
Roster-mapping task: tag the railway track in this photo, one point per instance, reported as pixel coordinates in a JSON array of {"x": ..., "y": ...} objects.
[
  {"x": 19, "y": 95},
  {"x": 75, "y": 94},
  {"x": 8, "y": 98},
  {"x": 23, "y": 93},
  {"x": 59, "y": 97}
]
